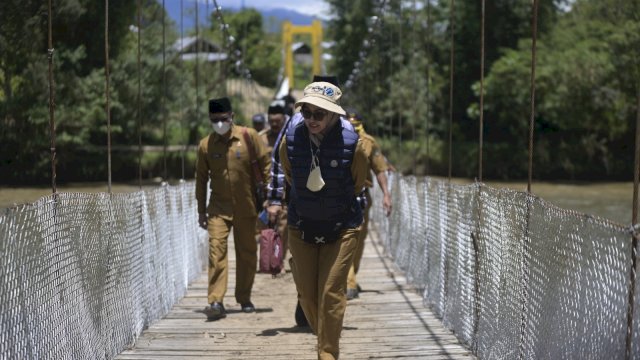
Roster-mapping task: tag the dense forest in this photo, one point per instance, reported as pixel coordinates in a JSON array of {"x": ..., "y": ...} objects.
[
  {"x": 393, "y": 62},
  {"x": 587, "y": 84}
]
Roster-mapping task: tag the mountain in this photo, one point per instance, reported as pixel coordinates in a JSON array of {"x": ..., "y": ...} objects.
[{"x": 272, "y": 18}]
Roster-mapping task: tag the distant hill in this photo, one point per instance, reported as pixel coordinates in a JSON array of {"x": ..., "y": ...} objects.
[{"x": 272, "y": 18}]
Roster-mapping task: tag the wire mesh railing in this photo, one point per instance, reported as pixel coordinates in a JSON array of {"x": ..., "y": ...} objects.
[
  {"x": 512, "y": 275},
  {"x": 81, "y": 275}
]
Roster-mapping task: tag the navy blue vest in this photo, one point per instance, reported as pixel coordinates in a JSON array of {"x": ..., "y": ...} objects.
[{"x": 322, "y": 214}]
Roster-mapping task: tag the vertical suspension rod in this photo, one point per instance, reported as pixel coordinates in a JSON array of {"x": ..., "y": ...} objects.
[
  {"x": 534, "y": 35},
  {"x": 52, "y": 123},
  {"x": 107, "y": 88},
  {"x": 164, "y": 95},
  {"x": 451, "y": 73},
  {"x": 139, "y": 100},
  {"x": 481, "y": 125}
]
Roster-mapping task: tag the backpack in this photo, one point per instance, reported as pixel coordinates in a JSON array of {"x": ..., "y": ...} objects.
[{"x": 271, "y": 252}]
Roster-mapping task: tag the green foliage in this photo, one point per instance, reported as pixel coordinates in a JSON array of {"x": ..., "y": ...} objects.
[{"x": 587, "y": 83}]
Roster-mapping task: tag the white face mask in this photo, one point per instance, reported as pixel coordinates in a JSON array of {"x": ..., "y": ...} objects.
[
  {"x": 221, "y": 127},
  {"x": 315, "y": 181}
]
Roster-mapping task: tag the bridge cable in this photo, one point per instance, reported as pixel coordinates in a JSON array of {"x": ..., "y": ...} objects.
[
  {"x": 428, "y": 88},
  {"x": 163, "y": 98},
  {"x": 526, "y": 255},
  {"x": 481, "y": 125},
  {"x": 139, "y": 100},
  {"x": 451, "y": 73},
  {"x": 197, "y": 75},
  {"x": 107, "y": 88},
  {"x": 182, "y": 127},
  {"x": 532, "y": 120},
  {"x": 52, "y": 124},
  {"x": 414, "y": 50}
]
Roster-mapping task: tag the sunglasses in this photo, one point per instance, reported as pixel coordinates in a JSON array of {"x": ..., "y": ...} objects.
[
  {"x": 220, "y": 119},
  {"x": 317, "y": 115}
]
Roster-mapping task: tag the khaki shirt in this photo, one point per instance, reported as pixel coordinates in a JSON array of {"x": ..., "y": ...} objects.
[
  {"x": 225, "y": 164},
  {"x": 269, "y": 139},
  {"x": 359, "y": 165},
  {"x": 374, "y": 155}
]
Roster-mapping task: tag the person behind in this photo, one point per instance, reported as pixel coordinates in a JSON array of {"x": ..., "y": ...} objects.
[
  {"x": 325, "y": 167},
  {"x": 378, "y": 165},
  {"x": 223, "y": 160},
  {"x": 277, "y": 118},
  {"x": 259, "y": 122},
  {"x": 289, "y": 102}
]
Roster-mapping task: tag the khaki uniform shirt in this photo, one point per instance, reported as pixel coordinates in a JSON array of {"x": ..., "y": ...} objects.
[
  {"x": 225, "y": 163},
  {"x": 359, "y": 165},
  {"x": 374, "y": 155},
  {"x": 269, "y": 139}
]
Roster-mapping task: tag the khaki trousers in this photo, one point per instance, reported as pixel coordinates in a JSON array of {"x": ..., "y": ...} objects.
[
  {"x": 352, "y": 283},
  {"x": 246, "y": 257},
  {"x": 320, "y": 273}
]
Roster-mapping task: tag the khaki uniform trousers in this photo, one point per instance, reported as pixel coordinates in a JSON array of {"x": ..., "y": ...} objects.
[
  {"x": 320, "y": 273},
  {"x": 352, "y": 283},
  {"x": 246, "y": 257}
]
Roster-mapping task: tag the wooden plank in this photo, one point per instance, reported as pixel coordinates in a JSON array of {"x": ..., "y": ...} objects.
[{"x": 387, "y": 321}]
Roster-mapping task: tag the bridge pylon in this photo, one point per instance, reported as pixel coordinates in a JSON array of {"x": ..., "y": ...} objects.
[{"x": 288, "y": 30}]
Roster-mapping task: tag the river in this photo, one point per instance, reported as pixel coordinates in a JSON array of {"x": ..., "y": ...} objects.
[{"x": 612, "y": 200}]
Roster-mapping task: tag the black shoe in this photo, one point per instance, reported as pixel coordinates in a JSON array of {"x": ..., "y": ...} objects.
[
  {"x": 248, "y": 307},
  {"x": 352, "y": 294},
  {"x": 301, "y": 319},
  {"x": 215, "y": 311}
]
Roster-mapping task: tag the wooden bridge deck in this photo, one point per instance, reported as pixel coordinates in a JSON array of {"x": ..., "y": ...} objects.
[{"x": 387, "y": 321}]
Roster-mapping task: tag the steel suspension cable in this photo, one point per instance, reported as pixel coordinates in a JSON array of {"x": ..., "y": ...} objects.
[
  {"x": 481, "y": 130},
  {"x": 186, "y": 141},
  {"x": 139, "y": 100},
  {"x": 107, "y": 88},
  {"x": 526, "y": 256},
  {"x": 52, "y": 123},
  {"x": 197, "y": 74},
  {"x": 534, "y": 38},
  {"x": 163, "y": 101},
  {"x": 428, "y": 88},
  {"x": 415, "y": 85},
  {"x": 451, "y": 73}
]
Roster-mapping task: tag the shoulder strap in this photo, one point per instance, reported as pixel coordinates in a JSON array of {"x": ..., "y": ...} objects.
[{"x": 253, "y": 158}]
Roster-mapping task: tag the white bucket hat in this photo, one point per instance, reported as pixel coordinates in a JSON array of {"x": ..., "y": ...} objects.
[{"x": 324, "y": 95}]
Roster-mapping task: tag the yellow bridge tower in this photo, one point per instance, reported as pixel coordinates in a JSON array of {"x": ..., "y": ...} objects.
[{"x": 288, "y": 30}]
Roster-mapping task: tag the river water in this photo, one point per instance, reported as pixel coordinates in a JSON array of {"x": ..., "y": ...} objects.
[{"x": 612, "y": 201}]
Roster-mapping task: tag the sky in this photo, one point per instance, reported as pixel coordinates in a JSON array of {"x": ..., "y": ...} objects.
[{"x": 307, "y": 7}]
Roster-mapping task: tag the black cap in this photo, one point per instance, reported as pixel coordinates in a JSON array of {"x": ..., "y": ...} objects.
[
  {"x": 352, "y": 113},
  {"x": 275, "y": 109},
  {"x": 258, "y": 118},
  {"x": 331, "y": 79},
  {"x": 219, "y": 105}
]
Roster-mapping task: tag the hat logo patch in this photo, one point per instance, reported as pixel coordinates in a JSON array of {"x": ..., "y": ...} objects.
[{"x": 328, "y": 92}]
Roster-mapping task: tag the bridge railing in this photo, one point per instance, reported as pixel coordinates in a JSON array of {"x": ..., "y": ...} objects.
[
  {"x": 512, "y": 275},
  {"x": 81, "y": 275}
]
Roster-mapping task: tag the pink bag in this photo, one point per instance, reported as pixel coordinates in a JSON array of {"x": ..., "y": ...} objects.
[{"x": 271, "y": 251}]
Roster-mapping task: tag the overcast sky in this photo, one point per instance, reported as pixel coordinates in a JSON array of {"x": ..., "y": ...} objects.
[{"x": 307, "y": 7}]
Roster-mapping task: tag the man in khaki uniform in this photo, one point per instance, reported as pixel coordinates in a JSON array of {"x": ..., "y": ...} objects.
[
  {"x": 224, "y": 160},
  {"x": 379, "y": 167}
]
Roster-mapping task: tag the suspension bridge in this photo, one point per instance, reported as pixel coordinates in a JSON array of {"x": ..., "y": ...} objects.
[{"x": 456, "y": 272}]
